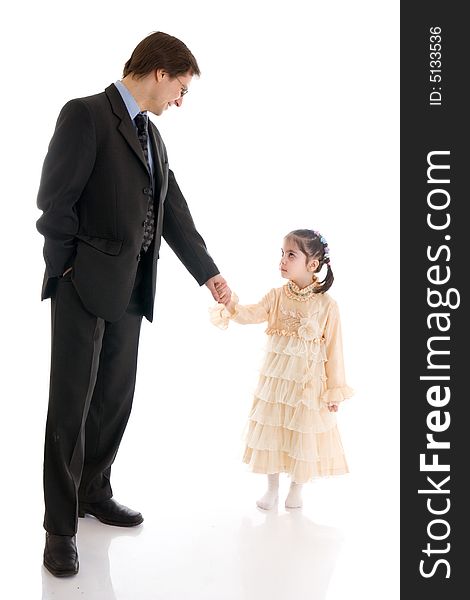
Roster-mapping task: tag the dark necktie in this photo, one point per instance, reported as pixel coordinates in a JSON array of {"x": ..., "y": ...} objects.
[{"x": 149, "y": 223}]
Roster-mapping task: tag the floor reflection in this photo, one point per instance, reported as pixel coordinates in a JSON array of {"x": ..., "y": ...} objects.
[{"x": 287, "y": 556}]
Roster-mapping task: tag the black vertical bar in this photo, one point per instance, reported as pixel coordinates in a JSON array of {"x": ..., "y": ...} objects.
[{"x": 435, "y": 268}]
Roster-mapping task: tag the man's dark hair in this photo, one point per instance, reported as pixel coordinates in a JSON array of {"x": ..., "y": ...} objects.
[{"x": 161, "y": 51}]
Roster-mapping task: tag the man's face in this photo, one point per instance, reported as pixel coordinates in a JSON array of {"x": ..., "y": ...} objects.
[{"x": 168, "y": 91}]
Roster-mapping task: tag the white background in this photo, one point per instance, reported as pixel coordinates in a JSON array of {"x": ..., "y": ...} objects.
[{"x": 293, "y": 124}]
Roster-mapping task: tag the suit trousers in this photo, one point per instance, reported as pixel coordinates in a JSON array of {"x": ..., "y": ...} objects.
[{"x": 92, "y": 381}]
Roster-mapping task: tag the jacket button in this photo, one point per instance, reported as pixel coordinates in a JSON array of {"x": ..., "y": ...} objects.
[{"x": 147, "y": 190}]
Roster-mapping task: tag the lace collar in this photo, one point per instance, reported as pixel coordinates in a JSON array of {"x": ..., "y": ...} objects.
[{"x": 293, "y": 291}]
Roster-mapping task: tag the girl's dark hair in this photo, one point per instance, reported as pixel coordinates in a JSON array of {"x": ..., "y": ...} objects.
[
  {"x": 314, "y": 246},
  {"x": 161, "y": 51}
]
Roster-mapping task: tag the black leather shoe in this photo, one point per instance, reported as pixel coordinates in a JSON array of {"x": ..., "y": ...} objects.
[
  {"x": 60, "y": 555},
  {"x": 111, "y": 513}
]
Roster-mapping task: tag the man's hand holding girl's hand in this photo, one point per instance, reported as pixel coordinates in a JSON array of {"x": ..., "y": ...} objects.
[{"x": 219, "y": 289}]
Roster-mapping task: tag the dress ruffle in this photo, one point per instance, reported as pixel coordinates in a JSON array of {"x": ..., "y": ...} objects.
[
  {"x": 300, "y": 446},
  {"x": 300, "y": 369},
  {"x": 302, "y": 456},
  {"x": 275, "y": 390},
  {"x": 295, "y": 345},
  {"x": 297, "y": 417},
  {"x": 337, "y": 395},
  {"x": 220, "y": 316},
  {"x": 290, "y": 428}
]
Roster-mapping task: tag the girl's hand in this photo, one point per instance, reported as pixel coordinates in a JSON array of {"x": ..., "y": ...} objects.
[
  {"x": 225, "y": 293},
  {"x": 332, "y": 407},
  {"x": 230, "y": 306}
]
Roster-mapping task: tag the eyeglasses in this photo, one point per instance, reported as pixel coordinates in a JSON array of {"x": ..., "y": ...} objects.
[{"x": 184, "y": 89}]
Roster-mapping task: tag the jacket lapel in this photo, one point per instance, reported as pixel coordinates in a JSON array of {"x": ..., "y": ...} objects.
[{"x": 125, "y": 126}]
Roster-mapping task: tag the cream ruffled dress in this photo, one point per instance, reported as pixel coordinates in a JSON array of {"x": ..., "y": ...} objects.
[{"x": 290, "y": 428}]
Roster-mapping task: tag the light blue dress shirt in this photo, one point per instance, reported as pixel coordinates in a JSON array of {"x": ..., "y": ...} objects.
[{"x": 133, "y": 110}]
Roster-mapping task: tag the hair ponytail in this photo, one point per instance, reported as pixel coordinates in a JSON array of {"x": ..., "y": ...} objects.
[{"x": 328, "y": 281}]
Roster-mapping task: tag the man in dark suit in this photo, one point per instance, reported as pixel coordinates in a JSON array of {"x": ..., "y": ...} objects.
[{"x": 107, "y": 196}]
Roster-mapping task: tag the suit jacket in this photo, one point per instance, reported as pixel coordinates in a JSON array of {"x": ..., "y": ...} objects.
[{"x": 94, "y": 194}]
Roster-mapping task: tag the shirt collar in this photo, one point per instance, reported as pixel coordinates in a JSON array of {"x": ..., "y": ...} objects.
[{"x": 129, "y": 100}]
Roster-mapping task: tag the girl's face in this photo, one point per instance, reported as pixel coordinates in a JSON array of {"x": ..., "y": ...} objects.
[{"x": 294, "y": 264}]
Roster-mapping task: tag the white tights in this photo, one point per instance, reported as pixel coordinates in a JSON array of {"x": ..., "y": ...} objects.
[
  {"x": 272, "y": 494},
  {"x": 293, "y": 500},
  {"x": 294, "y": 497}
]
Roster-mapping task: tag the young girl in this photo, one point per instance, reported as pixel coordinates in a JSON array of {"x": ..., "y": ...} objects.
[{"x": 292, "y": 425}]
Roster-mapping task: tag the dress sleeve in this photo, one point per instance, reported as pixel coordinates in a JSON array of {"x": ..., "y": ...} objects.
[
  {"x": 243, "y": 314},
  {"x": 337, "y": 389}
]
